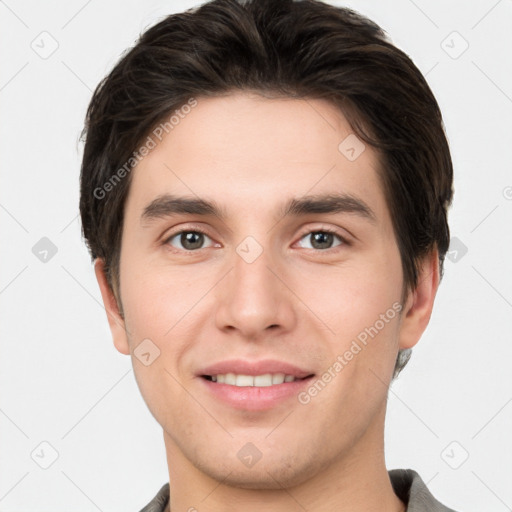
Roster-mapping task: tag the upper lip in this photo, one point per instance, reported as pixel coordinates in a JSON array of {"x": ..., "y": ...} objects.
[{"x": 244, "y": 367}]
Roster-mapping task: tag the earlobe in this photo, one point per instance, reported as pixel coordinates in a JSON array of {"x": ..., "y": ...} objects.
[
  {"x": 420, "y": 302},
  {"x": 115, "y": 320}
]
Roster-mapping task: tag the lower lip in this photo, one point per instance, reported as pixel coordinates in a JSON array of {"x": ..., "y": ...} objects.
[{"x": 255, "y": 398}]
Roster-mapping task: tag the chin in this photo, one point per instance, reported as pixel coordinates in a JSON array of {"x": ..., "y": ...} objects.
[
  {"x": 269, "y": 475},
  {"x": 262, "y": 480}
]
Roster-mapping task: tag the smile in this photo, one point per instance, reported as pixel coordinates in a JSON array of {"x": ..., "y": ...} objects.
[
  {"x": 260, "y": 381},
  {"x": 254, "y": 385}
]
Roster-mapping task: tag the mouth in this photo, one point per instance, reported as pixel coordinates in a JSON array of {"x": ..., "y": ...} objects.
[
  {"x": 258, "y": 381},
  {"x": 254, "y": 386}
]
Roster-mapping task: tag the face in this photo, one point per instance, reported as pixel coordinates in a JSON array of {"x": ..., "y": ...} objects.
[{"x": 261, "y": 285}]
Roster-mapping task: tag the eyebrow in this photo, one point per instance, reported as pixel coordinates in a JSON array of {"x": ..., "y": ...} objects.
[
  {"x": 330, "y": 203},
  {"x": 168, "y": 205}
]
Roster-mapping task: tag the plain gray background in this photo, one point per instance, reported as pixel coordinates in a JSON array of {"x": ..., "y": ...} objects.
[{"x": 62, "y": 382}]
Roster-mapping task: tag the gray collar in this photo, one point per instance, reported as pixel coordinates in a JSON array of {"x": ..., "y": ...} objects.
[{"x": 407, "y": 484}]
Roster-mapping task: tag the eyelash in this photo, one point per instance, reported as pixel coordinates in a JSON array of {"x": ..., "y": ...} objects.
[
  {"x": 330, "y": 231},
  {"x": 343, "y": 240}
]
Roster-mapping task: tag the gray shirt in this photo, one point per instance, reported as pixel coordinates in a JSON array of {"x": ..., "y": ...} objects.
[{"x": 407, "y": 484}]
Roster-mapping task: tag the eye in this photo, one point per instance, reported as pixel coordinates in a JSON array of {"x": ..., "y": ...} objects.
[
  {"x": 322, "y": 240},
  {"x": 189, "y": 240}
]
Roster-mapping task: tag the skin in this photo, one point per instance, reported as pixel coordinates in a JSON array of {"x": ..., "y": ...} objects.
[{"x": 294, "y": 303}]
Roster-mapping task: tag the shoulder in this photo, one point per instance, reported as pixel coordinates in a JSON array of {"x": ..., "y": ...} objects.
[
  {"x": 411, "y": 489},
  {"x": 159, "y": 502},
  {"x": 407, "y": 484}
]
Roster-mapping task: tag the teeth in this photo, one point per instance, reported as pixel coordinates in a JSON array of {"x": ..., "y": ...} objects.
[
  {"x": 230, "y": 378},
  {"x": 263, "y": 380},
  {"x": 268, "y": 379},
  {"x": 278, "y": 378},
  {"x": 244, "y": 380}
]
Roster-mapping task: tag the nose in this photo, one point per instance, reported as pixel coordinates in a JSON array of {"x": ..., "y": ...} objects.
[{"x": 254, "y": 300}]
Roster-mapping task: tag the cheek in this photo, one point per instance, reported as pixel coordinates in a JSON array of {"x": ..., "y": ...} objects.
[
  {"x": 156, "y": 317},
  {"x": 164, "y": 305},
  {"x": 360, "y": 303},
  {"x": 352, "y": 296},
  {"x": 154, "y": 297},
  {"x": 148, "y": 313}
]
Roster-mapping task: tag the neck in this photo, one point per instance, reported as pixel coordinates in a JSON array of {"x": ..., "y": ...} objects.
[{"x": 357, "y": 481}]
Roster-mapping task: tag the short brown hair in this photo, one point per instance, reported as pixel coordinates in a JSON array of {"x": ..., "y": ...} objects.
[{"x": 279, "y": 48}]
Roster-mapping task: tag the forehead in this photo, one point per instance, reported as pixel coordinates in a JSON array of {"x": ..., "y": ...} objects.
[{"x": 245, "y": 151}]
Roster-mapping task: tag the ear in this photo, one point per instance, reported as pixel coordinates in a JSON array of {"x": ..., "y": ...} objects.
[
  {"x": 115, "y": 320},
  {"x": 419, "y": 303}
]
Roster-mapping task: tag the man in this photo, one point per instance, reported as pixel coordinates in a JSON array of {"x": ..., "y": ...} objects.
[{"x": 264, "y": 192}]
